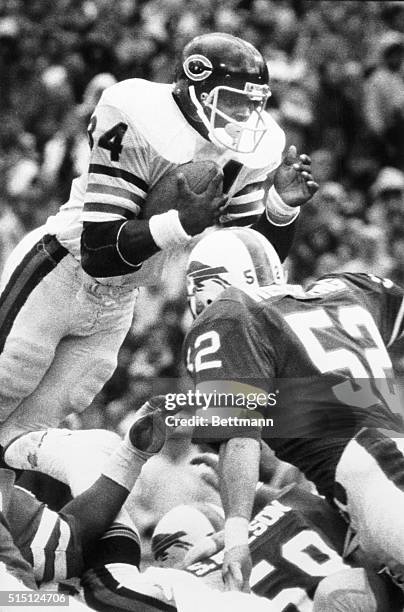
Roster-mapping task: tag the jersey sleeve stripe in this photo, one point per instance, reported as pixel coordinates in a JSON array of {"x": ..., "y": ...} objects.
[
  {"x": 100, "y": 217},
  {"x": 235, "y": 214},
  {"x": 113, "y": 201},
  {"x": 252, "y": 196},
  {"x": 119, "y": 173},
  {"x": 251, "y": 187},
  {"x": 112, "y": 190},
  {"x": 116, "y": 182},
  {"x": 244, "y": 209},
  {"x": 99, "y": 207},
  {"x": 397, "y": 328},
  {"x": 46, "y": 525}
]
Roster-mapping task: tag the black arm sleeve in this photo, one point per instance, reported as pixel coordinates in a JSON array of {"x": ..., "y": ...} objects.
[
  {"x": 99, "y": 251},
  {"x": 280, "y": 236}
]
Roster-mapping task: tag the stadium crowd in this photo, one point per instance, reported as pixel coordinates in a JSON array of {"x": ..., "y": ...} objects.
[{"x": 337, "y": 77}]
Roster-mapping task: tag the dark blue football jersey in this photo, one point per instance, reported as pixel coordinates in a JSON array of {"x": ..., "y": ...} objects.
[
  {"x": 290, "y": 554},
  {"x": 319, "y": 355}
]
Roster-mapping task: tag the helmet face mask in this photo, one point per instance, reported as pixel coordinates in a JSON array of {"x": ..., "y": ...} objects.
[
  {"x": 222, "y": 89},
  {"x": 201, "y": 293},
  {"x": 235, "y": 118}
]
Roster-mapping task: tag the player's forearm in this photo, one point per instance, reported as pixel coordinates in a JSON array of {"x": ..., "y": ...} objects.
[
  {"x": 239, "y": 463},
  {"x": 276, "y": 209},
  {"x": 280, "y": 236},
  {"x": 114, "y": 248},
  {"x": 268, "y": 463}
]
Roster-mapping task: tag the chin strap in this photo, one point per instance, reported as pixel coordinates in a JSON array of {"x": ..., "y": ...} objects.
[{"x": 191, "y": 114}]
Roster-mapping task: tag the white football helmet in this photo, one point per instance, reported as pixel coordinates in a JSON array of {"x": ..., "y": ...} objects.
[
  {"x": 180, "y": 529},
  {"x": 232, "y": 257}
]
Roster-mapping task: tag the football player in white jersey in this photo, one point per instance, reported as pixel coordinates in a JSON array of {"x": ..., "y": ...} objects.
[{"x": 69, "y": 288}]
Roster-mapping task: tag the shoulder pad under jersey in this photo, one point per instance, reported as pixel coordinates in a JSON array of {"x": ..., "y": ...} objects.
[{"x": 150, "y": 108}]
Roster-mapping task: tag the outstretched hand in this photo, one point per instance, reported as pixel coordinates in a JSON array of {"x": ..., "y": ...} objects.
[{"x": 293, "y": 179}]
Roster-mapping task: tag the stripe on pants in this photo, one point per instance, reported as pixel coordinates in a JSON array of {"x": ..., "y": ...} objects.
[{"x": 35, "y": 265}]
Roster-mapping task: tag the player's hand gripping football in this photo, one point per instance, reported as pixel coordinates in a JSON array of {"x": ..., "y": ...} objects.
[
  {"x": 148, "y": 432},
  {"x": 236, "y": 569},
  {"x": 293, "y": 179},
  {"x": 197, "y": 211}
]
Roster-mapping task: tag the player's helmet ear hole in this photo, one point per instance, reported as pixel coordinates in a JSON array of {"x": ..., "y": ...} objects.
[{"x": 209, "y": 302}]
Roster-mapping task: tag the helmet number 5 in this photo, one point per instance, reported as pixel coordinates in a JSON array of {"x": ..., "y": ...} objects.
[{"x": 249, "y": 277}]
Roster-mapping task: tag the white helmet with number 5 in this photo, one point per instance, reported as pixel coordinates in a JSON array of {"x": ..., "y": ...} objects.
[{"x": 232, "y": 257}]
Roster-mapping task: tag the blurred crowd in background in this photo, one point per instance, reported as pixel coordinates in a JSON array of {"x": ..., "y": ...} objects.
[{"x": 337, "y": 80}]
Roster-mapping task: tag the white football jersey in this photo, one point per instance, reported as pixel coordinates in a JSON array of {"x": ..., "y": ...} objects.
[{"x": 137, "y": 135}]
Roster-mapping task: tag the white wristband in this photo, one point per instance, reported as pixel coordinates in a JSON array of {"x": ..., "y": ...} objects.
[
  {"x": 167, "y": 230},
  {"x": 277, "y": 211},
  {"x": 235, "y": 532}
]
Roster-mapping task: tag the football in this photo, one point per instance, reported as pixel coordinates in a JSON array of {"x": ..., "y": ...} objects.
[{"x": 163, "y": 196}]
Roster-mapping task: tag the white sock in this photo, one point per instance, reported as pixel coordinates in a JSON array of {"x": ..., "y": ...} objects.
[
  {"x": 77, "y": 458},
  {"x": 40, "y": 451},
  {"x": 74, "y": 457},
  {"x": 125, "y": 464}
]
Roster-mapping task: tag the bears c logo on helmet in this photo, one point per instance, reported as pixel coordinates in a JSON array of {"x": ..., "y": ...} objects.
[{"x": 197, "y": 67}]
